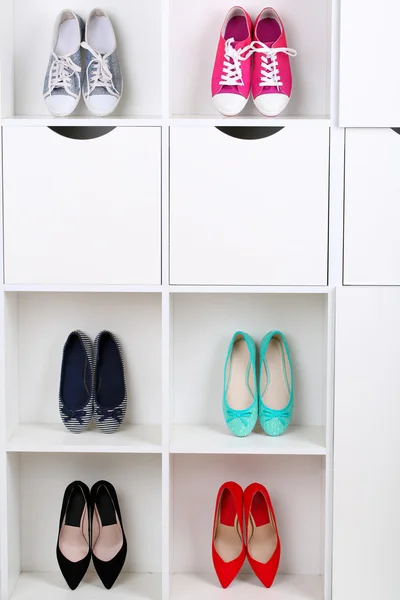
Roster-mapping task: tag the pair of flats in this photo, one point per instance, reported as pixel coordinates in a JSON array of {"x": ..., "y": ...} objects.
[
  {"x": 264, "y": 393},
  {"x": 92, "y": 383}
]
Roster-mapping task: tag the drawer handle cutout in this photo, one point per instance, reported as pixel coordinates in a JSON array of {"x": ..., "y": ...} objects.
[
  {"x": 82, "y": 133},
  {"x": 249, "y": 133},
  {"x": 396, "y": 130}
]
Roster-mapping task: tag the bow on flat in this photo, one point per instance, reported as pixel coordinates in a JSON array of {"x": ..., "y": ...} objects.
[
  {"x": 242, "y": 415},
  {"x": 115, "y": 413},
  {"x": 269, "y": 414},
  {"x": 79, "y": 415}
]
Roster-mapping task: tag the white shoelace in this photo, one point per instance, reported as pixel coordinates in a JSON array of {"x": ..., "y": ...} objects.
[
  {"x": 61, "y": 72},
  {"x": 232, "y": 71},
  {"x": 102, "y": 76},
  {"x": 269, "y": 61}
]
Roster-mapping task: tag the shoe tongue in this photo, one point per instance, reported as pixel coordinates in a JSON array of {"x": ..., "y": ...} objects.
[
  {"x": 229, "y": 89},
  {"x": 269, "y": 89},
  {"x": 233, "y": 89}
]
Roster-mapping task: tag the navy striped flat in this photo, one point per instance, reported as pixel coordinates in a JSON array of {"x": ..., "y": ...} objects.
[
  {"x": 110, "y": 393},
  {"x": 76, "y": 382}
]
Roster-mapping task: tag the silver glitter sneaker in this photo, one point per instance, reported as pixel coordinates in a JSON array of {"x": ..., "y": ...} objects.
[
  {"x": 103, "y": 84},
  {"x": 62, "y": 84}
]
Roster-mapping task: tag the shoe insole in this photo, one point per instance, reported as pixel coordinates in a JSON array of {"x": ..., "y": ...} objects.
[
  {"x": 268, "y": 31},
  {"x": 110, "y": 374},
  {"x": 238, "y": 396},
  {"x": 274, "y": 390},
  {"x": 227, "y": 539},
  {"x": 74, "y": 534},
  {"x": 68, "y": 38},
  {"x": 75, "y": 508},
  {"x": 236, "y": 28},
  {"x": 107, "y": 529},
  {"x": 105, "y": 508},
  {"x": 100, "y": 35},
  {"x": 262, "y": 535},
  {"x": 76, "y": 376}
]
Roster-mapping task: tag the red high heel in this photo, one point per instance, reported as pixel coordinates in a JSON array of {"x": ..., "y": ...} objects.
[
  {"x": 228, "y": 548},
  {"x": 263, "y": 543}
]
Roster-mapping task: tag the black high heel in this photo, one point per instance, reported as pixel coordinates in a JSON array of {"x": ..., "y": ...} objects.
[
  {"x": 109, "y": 547},
  {"x": 73, "y": 543}
]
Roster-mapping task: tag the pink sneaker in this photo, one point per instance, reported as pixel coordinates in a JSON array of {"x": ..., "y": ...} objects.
[
  {"x": 272, "y": 77},
  {"x": 231, "y": 80}
]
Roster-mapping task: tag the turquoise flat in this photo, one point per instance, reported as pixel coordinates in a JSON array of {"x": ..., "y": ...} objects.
[
  {"x": 240, "y": 399},
  {"x": 275, "y": 384}
]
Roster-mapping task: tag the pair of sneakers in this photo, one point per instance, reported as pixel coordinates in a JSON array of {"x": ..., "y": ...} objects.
[
  {"x": 102, "y": 84},
  {"x": 236, "y": 75}
]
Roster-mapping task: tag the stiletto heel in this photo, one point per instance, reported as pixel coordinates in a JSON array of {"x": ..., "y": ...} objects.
[
  {"x": 109, "y": 547},
  {"x": 228, "y": 549},
  {"x": 73, "y": 543},
  {"x": 263, "y": 543}
]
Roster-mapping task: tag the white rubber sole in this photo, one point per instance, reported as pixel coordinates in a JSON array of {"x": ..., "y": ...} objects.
[
  {"x": 104, "y": 114},
  {"x": 270, "y": 115},
  {"x": 67, "y": 114},
  {"x": 224, "y": 114}
]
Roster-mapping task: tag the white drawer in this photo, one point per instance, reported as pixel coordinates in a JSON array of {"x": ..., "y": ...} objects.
[
  {"x": 372, "y": 207},
  {"x": 82, "y": 211},
  {"x": 249, "y": 212},
  {"x": 369, "y": 64}
]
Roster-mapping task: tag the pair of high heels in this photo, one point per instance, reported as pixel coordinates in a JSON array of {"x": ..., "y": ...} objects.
[
  {"x": 268, "y": 395},
  {"x": 91, "y": 527},
  {"x": 245, "y": 525}
]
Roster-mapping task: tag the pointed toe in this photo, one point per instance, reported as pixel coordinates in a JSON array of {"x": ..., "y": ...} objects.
[
  {"x": 228, "y": 548},
  {"x": 263, "y": 543},
  {"x": 73, "y": 573},
  {"x": 109, "y": 546},
  {"x": 73, "y": 548},
  {"x": 109, "y": 571}
]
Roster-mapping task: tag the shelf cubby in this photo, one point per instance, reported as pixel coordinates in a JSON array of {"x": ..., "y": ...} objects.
[
  {"x": 297, "y": 489},
  {"x": 198, "y": 369},
  {"x": 26, "y": 46},
  {"x": 36, "y": 486},
  {"x": 193, "y": 42},
  {"x": 37, "y": 325}
]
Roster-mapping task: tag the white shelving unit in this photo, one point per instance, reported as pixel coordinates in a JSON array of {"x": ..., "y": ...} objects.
[
  {"x": 174, "y": 451},
  {"x": 194, "y": 40}
]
